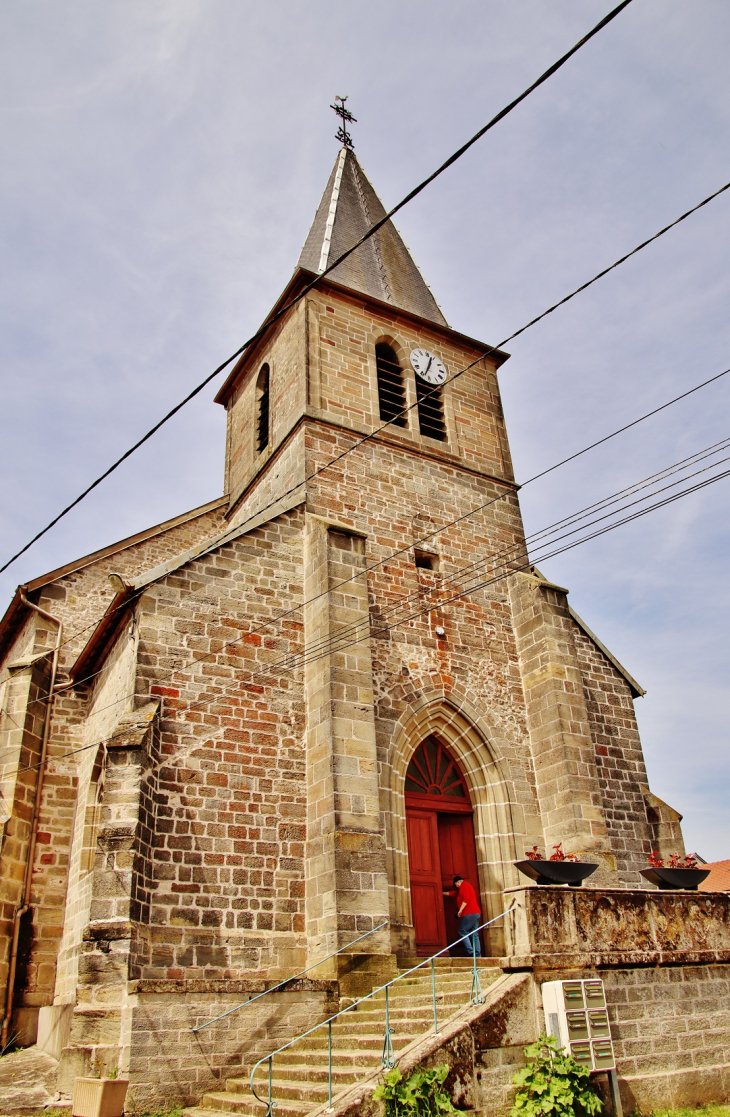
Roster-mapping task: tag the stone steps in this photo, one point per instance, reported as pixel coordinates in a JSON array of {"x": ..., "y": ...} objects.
[
  {"x": 344, "y": 1042},
  {"x": 213, "y": 1105},
  {"x": 300, "y": 1074},
  {"x": 346, "y": 1055}
]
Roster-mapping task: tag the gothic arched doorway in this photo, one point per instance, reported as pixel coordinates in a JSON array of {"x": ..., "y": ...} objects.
[{"x": 439, "y": 820}]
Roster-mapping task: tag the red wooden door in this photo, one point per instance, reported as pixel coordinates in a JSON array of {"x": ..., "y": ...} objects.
[
  {"x": 457, "y": 854},
  {"x": 440, "y": 842},
  {"x": 426, "y": 877}
]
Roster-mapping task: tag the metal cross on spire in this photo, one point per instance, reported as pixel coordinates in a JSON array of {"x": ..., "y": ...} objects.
[{"x": 346, "y": 116}]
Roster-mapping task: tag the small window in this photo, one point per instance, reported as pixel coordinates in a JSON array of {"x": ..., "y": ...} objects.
[
  {"x": 391, "y": 394},
  {"x": 262, "y": 410},
  {"x": 430, "y": 410},
  {"x": 426, "y": 561}
]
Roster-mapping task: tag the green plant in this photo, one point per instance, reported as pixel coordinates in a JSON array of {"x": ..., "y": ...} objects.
[
  {"x": 419, "y": 1095},
  {"x": 176, "y": 1111},
  {"x": 10, "y": 1045},
  {"x": 552, "y": 1084}
]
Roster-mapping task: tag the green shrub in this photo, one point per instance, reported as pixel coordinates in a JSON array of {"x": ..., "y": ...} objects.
[
  {"x": 419, "y": 1095},
  {"x": 553, "y": 1084}
]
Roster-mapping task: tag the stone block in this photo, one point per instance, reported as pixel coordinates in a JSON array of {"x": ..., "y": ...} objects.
[{"x": 54, "y": 1028}]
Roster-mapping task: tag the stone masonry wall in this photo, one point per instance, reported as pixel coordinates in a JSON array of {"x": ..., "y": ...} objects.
[
  {"x": 349, "y": 328},
  {"x": 671, "y": 1034},
  {"x": 78, "y": 600},
  {"x": 227, "y": 892},
  {"x": 474, "y": 665},
  {"x": 171, "y": 1064},
  {"x": 285, "y": 353},
  {"x": 24, "y": 714},
  {"x": 664, "y": 958},
  {"x": 113, "y": 697},
  {"x": 619, "y": 759}
]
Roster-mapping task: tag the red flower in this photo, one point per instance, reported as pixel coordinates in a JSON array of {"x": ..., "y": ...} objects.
[{"x": 674, "y": 862}]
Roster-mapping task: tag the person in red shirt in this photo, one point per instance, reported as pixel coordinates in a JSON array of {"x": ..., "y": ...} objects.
[{"x": 469, "y": 913}]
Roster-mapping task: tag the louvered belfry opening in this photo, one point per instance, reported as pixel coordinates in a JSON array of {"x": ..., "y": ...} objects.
[
  {"x": 262, "y": 410},
  {"x": 430, "y": 410},
  {"x": 391, "y": 393}
]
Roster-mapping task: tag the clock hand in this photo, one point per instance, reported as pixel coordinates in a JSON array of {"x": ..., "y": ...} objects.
[{"x": 425, "y": 371}]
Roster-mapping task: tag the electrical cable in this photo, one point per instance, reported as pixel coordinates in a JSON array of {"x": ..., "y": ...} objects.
[
  {"x": 395, "y": 554},
  {"x": 372, "y": 434},
  {"x": 302, "y": 294},
  {"x": 330, "y": 645},
  {"x": 541, "y": 558},
  {"x": 336, "y": 647}
]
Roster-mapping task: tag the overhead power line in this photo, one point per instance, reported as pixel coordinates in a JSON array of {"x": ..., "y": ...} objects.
[
  {"x": 309, "y": 287},
  {"x": 511, "y": 562},
  {"x": 267, "y": 625},
  {"x": 378, "y": 430},
  {"x": 365, "y": 438}
]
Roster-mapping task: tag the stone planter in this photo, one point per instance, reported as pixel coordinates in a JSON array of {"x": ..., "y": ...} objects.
[
  {"x": 665, "y": 877},
  {"x": 557, "y": 872},
  {"x": 99, "y": 1097}
]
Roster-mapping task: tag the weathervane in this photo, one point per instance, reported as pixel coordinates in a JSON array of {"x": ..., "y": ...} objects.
[{"x": 346, "y": 116}]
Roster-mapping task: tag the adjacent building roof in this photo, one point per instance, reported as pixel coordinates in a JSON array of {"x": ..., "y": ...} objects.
[
  {"x": 719, "y": 878},
  {"x": 382, "y": 267}
]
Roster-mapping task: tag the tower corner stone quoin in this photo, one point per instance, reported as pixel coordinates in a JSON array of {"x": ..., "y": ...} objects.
[{"x": 229, "y": 793}]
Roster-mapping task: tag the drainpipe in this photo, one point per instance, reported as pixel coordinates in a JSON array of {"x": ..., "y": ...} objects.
[{"x": 24, "y": 904}]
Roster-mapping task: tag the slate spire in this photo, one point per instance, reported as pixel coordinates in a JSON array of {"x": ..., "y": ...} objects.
[{"x": 382, "y": 267}]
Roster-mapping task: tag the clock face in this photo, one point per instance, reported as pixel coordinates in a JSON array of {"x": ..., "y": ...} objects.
[{"x": 428, "y": 366}]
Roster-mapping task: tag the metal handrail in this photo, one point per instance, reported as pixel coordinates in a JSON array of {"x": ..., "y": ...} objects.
[
  {"x": 388, "y": 1057},
  {"x": 286, "y": 980}
]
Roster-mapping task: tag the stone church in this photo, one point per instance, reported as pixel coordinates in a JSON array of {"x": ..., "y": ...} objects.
[{"x": 240, "y": 739}]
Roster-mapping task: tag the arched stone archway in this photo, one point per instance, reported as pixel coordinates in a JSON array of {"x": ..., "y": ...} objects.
[{"x": 492, "y": 802}]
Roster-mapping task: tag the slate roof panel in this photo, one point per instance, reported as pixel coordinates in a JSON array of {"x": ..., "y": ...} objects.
[{"x": 382, "y": 267}]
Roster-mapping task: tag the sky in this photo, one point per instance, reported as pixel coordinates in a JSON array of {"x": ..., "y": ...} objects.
[{"x": 162, "y": 163}]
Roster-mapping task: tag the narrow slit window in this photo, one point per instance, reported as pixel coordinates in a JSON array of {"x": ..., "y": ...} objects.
[
  {"x": 262, "y": 410},
  {"x": 430, "y": 410},
  {"x": 92, "y": 813},
  {"x": 391, "y": 393}
]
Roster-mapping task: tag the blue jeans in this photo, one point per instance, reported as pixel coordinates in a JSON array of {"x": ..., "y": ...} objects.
[{"x": 469, "y": 923}]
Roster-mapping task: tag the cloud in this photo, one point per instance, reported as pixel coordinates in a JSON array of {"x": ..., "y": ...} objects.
[{"x": 162, "y": 163}]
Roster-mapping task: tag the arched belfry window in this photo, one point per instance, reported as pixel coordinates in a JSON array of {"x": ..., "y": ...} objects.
[
  {"x": 391, "y": 394},
  {"x": 433, "y": 772},
  {"x": 262, "y": 410},
  {"x": 430, "y": 410}
]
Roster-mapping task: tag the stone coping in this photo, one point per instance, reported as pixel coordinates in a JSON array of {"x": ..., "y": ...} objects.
[
  {"x": 229, "y": 985},
  {"x": 559, "y": 927},
  {"x": 613, "y": 960}
]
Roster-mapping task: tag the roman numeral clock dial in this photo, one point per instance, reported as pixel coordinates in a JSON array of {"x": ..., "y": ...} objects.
[{"x": 427, "y": 366}]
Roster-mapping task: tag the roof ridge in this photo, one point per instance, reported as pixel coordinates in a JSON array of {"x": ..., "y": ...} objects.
[{"x": 329, "y": 225}]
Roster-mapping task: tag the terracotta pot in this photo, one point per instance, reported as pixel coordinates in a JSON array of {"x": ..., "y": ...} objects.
[
  {"x": 99, "y": 1097},
  {"x": 557, "y": 872},
  {"x": 665, "y": 877}
]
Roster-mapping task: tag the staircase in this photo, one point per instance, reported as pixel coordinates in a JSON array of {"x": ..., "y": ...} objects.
[{"x": 300, "y": 1074}]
